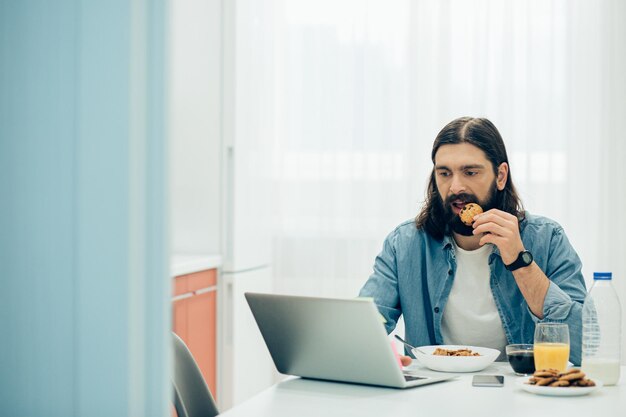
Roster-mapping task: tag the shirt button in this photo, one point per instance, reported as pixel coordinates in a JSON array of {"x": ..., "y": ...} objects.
[
  {"x": 436, "y": 309},
  {"x": 449, "y": 272}
]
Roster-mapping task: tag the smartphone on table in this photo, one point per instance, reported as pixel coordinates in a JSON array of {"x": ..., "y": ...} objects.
[{"x": 488, "y": 380}]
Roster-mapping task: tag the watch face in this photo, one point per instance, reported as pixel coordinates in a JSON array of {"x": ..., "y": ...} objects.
[{"x": 527, "y": 257}]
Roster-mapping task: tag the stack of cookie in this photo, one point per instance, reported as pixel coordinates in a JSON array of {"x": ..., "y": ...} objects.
[{"x": 553, "y": 378}]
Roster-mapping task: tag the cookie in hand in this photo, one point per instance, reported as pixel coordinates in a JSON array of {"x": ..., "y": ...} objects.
[{"x": 468, "y": 212}]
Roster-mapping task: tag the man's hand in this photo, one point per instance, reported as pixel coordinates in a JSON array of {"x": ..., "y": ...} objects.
[
  {"x": 406, "y": 360},
  {"x": 501, "y": 229}
]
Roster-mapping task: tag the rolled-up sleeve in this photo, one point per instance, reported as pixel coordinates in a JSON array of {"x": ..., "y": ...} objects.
[{"x": 566, "y": 293}]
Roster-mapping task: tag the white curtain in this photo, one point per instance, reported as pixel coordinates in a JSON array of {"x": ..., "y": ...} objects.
[{"x": 356, "y": 91}]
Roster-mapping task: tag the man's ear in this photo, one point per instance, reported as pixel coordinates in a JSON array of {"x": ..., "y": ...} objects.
[{"x": 503, "y": 175}]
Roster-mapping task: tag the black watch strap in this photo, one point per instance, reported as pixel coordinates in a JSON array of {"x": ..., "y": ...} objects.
[{"x": 524, "y": 258}]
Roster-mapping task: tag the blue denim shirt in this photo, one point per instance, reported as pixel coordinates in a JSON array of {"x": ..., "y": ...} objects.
[{"x": 413, "y": 275}]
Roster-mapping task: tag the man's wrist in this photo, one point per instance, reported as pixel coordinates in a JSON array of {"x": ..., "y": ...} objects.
[{"x": 524, "y": 259}]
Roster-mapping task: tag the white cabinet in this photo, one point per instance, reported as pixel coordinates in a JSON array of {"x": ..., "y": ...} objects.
[{"x": 219, "y": 187}]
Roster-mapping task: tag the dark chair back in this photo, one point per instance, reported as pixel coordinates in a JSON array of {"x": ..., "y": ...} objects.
[{"x": 192, "y": 397}]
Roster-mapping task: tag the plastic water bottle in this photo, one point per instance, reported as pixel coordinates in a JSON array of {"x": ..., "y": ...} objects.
[{"x": 602, "y": 324}]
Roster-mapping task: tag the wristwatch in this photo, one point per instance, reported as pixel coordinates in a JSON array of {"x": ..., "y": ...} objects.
[{"x": 524, "y": 258}]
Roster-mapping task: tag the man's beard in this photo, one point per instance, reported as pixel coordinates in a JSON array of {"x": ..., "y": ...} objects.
[{"x": 453, "y": 221}]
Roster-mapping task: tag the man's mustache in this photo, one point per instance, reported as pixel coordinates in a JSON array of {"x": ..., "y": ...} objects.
[{"x": 466, "y": 198}]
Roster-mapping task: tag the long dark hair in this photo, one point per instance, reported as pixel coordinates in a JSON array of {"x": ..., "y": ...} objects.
[{"x": 483, "y": 134}]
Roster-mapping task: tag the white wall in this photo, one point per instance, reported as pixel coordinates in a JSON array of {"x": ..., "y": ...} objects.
[{"x": 195, "y": 125}]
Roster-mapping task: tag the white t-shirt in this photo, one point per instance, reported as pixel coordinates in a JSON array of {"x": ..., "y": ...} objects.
[{"x": 470, "y": 316}]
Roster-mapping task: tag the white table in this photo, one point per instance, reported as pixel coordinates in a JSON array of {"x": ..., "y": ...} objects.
[{"x": 296, "y": 397}]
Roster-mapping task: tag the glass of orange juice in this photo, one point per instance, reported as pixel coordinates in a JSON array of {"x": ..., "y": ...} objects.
[{"x": 551, "y": 346}]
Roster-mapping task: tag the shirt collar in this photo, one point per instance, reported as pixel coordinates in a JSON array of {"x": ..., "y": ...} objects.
[{"x": 448, "y": 244}]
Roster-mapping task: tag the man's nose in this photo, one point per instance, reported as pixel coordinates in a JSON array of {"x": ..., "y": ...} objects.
[{"x": 457, "y": 186}]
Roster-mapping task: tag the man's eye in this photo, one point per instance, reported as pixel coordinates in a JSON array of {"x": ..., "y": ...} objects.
[
  {"x": 470, "y": 173},
  {"x": 443, "y": 174}
]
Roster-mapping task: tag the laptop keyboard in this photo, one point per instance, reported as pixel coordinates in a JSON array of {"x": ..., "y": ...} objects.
[{"x": 409, "y": 378}]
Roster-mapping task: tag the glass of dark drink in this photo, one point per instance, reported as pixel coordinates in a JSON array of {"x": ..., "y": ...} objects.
[{"x": 522, "y": 358}]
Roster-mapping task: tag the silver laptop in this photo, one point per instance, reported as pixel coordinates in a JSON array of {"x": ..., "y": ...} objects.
[{"x": 330, "y": 339}]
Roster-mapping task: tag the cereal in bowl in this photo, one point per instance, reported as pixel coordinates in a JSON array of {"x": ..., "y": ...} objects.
[{"x": 455, "y": 352}]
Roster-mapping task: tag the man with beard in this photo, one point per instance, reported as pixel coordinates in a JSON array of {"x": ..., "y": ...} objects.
[{"x": 487, "y": 284}]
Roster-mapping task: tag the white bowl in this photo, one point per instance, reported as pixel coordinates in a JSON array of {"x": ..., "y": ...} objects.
[{"x": 456, "y": 363}]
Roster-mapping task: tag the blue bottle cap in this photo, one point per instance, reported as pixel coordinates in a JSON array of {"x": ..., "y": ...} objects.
[{"x": 602, "y": 275}]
